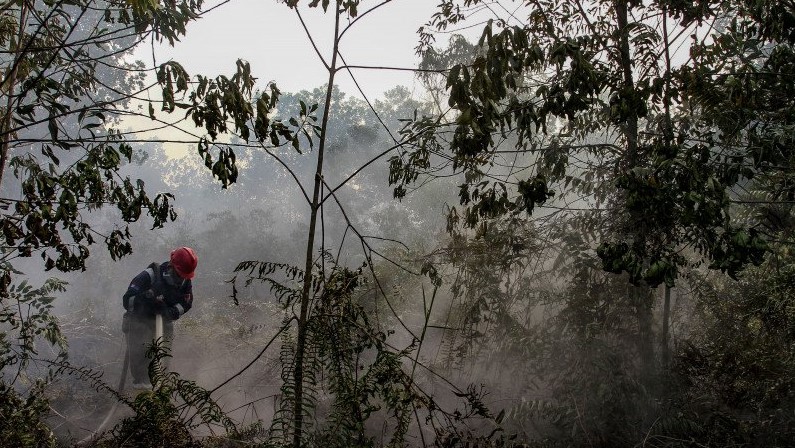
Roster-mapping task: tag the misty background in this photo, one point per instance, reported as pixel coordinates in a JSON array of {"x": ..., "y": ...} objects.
[{"x": 570, "y": 275}]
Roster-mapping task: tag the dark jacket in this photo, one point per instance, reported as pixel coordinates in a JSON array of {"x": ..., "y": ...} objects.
[{"x": 154, "y": 283}]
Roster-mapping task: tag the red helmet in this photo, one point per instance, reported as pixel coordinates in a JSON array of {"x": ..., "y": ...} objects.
[{"x": 184, "y": 261}]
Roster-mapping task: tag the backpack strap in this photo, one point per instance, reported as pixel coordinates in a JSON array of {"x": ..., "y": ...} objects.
[{"x": 155, "y": 277}]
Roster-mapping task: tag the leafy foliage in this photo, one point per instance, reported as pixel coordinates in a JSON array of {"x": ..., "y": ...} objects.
[
  {"x": 677, "y": 141},
  {"x": 65, "y": 84},
  {"x": 166, "y": 415},
  {"x": 27, "y": 321},
  {"x": 22, "y": 424},
  {"x": 56, "y": 85},
  {"x": 733, "y": 379},
  {"x": 656, "y": 169},
  {"x": 351, "y": 376}
]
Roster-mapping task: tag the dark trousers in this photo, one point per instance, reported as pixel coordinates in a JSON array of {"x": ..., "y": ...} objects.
[{"x": 140, "y": 336}]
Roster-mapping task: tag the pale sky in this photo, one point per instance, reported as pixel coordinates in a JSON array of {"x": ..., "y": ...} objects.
[{"x": 269, "y": 35}]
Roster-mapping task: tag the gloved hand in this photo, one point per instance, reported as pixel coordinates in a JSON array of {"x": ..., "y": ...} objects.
[
  {"x": 150, "y": 296},
  {"x": 172, "y": 312}
]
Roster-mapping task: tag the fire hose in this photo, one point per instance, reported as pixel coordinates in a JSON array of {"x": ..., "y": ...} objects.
[{"x": 123, "y": 379}]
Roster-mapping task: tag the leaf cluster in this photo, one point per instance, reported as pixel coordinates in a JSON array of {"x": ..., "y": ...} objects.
[
  {"x": 27, "y": 321},
  {"x": 167, "y": 415},
  {"x": 56, "y": 85},
  {"x": 227, "y": 105},
  {"x": 582, "y": 93}
]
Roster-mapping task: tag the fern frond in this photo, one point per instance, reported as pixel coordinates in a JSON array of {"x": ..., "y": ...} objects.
[{"x": 92, "y": 377}]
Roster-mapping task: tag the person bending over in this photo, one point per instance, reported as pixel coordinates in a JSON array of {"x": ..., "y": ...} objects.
[{"x": 163, "y": 289}]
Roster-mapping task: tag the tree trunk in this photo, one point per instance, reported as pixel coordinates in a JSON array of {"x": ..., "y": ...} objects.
[
  {"x": 298, "y": 372},
  {"x": 645, "y": 343},
  {"x": 631, "y": 126},
  {"x": 9, "y": 86},
  {"x": 643, "y": 296},
  {"x": 666, "y": 351}
]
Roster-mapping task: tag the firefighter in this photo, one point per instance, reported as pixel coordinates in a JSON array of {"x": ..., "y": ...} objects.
[{"x": 163, "y": 289}]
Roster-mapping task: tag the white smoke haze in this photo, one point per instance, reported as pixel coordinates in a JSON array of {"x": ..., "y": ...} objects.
[
  {"x": 258, "y": 218},
  {"x": 467, "y": 326}
]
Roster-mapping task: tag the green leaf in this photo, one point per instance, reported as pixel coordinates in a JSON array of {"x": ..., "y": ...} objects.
[
  {"x": 53, "y": 127},
  {"x": 295, "y": 144}
]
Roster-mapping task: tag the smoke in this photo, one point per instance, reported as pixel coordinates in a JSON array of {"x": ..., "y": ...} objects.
[{"x": 262, "y": 217}]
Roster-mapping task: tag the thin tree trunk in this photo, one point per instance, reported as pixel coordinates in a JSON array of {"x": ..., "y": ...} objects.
[
  {"x": 298, "y": 367},
  {"x": 631, "y": 129},
  {"x": 643, "y": 296},
  {"x": 666, "y": 350},
  {"x": 8, "y": 87},
  {"x": 645, "y": 342}
]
